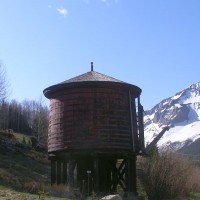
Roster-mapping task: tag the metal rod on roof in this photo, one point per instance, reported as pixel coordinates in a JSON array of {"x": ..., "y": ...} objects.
[{"x": 91, "y": 66}]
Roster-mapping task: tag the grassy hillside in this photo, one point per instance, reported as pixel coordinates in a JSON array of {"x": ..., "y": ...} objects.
[
  {"x": 20, "y": 137},
  {"x": 24, "y": 172}
]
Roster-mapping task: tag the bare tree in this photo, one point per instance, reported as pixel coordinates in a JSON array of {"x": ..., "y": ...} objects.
[
  {"x": 3, "y": 95},
  {"x": 36, "y": 113},
  {"x": 40, "y": 123},
  {"x": 3, "y": 83}
]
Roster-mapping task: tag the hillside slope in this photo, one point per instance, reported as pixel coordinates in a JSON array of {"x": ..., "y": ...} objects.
[
  {"x": 24, "y": 172},
  {"x": 20, "y": 164}
]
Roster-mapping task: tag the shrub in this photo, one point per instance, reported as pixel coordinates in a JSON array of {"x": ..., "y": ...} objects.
[
  {"x": 167, "y": 176},
  {"x": 31, "y": 186},
  {"x": 60, "y": 191},
  {"x": 23, "y": 140},
  {"x": 193, "y": 182}
]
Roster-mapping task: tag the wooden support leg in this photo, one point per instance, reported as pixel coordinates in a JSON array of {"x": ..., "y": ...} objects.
[
  {"x": 127, "y": 171},
  {"x": 114, "y": 176},
  {"x": 64, "y": 172},
  {"x": 107, "y": 180},
  {"x": 81, "y": 172},
  {"x": 135, "y": 176},
  {"x": 132, "y": 175},
  {"x": 71, "y": 174},
  {"x": 104, "y": 174},
  {"x": 118, "y": 175},
  {"x": 53, "y": 172},
  {"x": 58, "y": 172},
  {"x": 96, "y": 174}
]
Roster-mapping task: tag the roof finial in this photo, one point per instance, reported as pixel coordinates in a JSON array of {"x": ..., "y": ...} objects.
[{"x": 92, "y": 66}]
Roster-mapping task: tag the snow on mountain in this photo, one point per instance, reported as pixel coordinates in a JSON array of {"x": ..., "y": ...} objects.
[{"x": 181, "y": 113}]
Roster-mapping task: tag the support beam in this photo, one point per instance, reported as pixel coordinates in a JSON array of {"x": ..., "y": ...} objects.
[
  {"x": 118, "y": 174},
  {"x": 135, "y": 126},
  {"x": 114, "y": 176},
  {"x": 104, "y": 174},
  {"x": 141, "y": 124},
  {"x": 107, "y": 172},
  {"x": 96, "y": 173},
  {"x": 71, "y": 174},
  {"x": 132, "y": 175},
  {"x": 127, "y": 178},
  {"x": 53, "y": 172},
  {"x": 64, "y": 172},
  {"x": 59, "y": 173}
]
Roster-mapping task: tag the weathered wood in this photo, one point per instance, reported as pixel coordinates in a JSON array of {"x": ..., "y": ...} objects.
[
  {"x": 127, "y": 177},
  {"x": 96, "y": 173},
  {"x": 71, "y": 174},
  {"x": 59, "y": 172},
  {"x": 135, "y": 126},
  {"x": 104, "y": 174},
  {"x": 132, "y": 175},
  {"x": 64, "y": 172},
  {"x": 118, "y": 176},
  {"x": 86, "y": 114},
  {"x": 114, "y": 176},
  {"x": 141, "y": 125},
  {"x": 53, "y": 172}
]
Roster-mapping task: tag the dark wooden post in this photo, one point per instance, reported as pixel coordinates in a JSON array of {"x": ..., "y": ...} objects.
[
  {"x": 81, "y": 171},
  {"x": 114, "y": 175},
  {"x": 141, "y": 124},
  {"x": 71, "y": 174},
  {"x": 127, "y": 170},
  {"x": 135, "y": 126},
  {"x": 135, "y": 175},
  {"x": 59, "y": 172},
  {"x": 132, "y": 175},
  {"x": 64, "y": 172},
  {"x": 53, "y": 172},
  {"x": 104, "y": 164},
  {"x": 96, "y": 173}
]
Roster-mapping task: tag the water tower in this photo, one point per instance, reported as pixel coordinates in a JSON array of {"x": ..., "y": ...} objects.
[{"x": 95, "y": 132}]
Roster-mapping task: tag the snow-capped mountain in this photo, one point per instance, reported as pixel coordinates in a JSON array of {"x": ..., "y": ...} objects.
[{"x": 182, "y": 114}]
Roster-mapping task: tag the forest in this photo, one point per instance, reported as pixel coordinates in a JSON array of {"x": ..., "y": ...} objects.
[{"x": 29, "y": 117}]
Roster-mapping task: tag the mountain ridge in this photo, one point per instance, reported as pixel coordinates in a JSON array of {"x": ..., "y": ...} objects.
[{"x": 181, "y": 113}]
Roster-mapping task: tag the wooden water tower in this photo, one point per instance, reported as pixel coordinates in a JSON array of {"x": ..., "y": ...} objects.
[{"x": 95, "y": 132}]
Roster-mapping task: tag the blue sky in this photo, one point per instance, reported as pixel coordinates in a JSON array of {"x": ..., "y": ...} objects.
[{"x": 152, "y": 44}]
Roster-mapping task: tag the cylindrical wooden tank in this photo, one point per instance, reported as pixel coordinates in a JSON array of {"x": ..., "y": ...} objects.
[{"x": 93, "y": 111}]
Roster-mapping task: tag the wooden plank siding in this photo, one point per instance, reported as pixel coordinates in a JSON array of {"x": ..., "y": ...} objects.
[{"x": 89, "y": 117}]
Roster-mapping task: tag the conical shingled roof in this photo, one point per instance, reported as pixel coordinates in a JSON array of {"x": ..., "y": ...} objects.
[
  {"x": 86, "y": 79},
  {"x": 92, "y": 76}
]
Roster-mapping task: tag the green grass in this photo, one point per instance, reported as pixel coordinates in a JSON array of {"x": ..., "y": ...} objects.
[
  {"x": 20, "y": 137},
  {"x": 23, "y": 172},
  {"x": 192, "y": 196},
  {"x": 7, "y": 193},
  {"x": 19, "y": 166}
]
